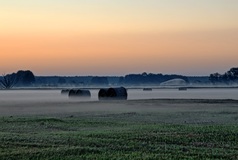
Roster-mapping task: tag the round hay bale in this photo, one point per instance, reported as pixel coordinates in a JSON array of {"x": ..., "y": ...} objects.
[
  {"x": 147, "y": 89},
  {"x": 182, "y": 88},
  {"x": 102, "y": 93},
  {"x": 72, "y": 93},
  {"x": 83, "y": 93},
  {"x": 79, "y": 93},
  {"x": 65, "y": 91},
  {"x": 113, "y": 93}
]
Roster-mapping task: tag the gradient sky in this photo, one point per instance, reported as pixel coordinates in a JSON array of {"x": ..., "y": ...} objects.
[{"x": 117, "y": 37}]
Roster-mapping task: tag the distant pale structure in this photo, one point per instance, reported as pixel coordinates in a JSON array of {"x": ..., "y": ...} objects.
[{"x": 174, "y": 82}]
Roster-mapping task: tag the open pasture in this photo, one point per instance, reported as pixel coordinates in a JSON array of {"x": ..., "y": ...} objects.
[{"x": 133, "y": 129}]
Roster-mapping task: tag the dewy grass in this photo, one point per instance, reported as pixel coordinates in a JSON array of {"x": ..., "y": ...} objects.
[{"x": 105, "y": 137}]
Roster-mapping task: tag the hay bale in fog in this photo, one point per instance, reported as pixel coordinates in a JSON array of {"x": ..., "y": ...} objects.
[
  {"x": 182, "y": 88},
  {"x": 79, "y": 93},
  {"x": 72, "y": 92},
  {"x": 65, "y": 91},
  {"x": 83, "y": 93},
  {"x": 102, "y": 93},
  {"x": 147, "y": 89},
  {"x": 112, "y": 93}
]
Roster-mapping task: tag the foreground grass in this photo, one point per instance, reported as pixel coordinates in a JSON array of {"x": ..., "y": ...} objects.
[{"x": 114, "y": 136}]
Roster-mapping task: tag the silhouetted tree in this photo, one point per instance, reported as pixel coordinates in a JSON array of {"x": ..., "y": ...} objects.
[
  {"x": 24, "y": 78},
  {"x": 233, "y": 72},
  {"x": 230, "y": 76},
  {"x": 7, "y": 81}
]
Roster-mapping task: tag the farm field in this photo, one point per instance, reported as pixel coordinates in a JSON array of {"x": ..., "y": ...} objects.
[{"x": 135, "y": 129}]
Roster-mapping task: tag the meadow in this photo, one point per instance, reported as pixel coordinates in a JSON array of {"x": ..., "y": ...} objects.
[{"x": 134, "y": 129}]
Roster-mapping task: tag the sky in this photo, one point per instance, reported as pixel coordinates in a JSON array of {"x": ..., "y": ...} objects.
[{"x": 117, "y": 37}]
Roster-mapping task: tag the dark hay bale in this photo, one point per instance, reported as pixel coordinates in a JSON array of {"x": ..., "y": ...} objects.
[
  {"x": 113, "y": 93},
  {"x": 72, "y": 93},
  {"x": 83, "y": 93},
  {"x": 79, "y": 93},
  {"x": 102, "y": 93},
  {"x": 65, "y": 91},
  {"x": 182, "y": 88},
  {"x": 147, "y": 89}
]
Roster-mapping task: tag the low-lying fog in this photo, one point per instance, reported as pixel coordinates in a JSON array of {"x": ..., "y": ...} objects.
[
  {"x": 45, "y": 102},
  {"x": 133, "y": 94}
]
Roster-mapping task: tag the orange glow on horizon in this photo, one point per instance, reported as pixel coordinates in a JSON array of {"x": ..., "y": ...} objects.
[
  {"x": 118, "y": 37},
  {"x": 86, "y": 53}
]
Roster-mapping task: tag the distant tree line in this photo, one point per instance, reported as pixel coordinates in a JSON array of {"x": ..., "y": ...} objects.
[
  {"x": 99, "y": 81},
  {"x": 27, "y": 78},
  {"x": 229, "y": 77},
  {"x": 130, "y": 79},
  {"x": 138, "y": 79}
]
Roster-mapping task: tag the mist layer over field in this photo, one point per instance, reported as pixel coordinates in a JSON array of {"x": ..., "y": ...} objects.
[
  {"x": 43, "y": 124},
  {"x": 133, "y": 94},
  {"x": 49, "y": 102}
]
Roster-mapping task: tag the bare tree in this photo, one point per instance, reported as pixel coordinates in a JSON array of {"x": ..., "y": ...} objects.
[{"x": 7, "y": 81}]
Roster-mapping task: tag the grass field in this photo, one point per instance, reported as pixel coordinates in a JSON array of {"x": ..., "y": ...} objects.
[{"x": 144, "y": 129}]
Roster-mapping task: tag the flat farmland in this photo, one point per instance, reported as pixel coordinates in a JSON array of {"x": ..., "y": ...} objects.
[{"x": 134, "y": 129}]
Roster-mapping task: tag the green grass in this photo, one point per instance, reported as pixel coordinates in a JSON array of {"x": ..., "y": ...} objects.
[{"x": 114, "y": 136}]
